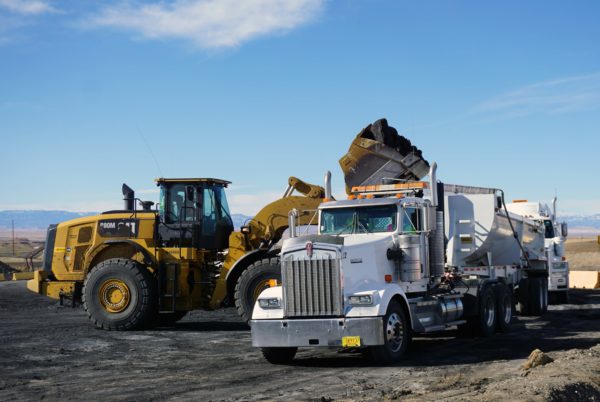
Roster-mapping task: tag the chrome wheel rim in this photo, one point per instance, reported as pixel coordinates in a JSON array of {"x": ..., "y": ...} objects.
[
  {"x": 394, "y": 332},
  {"x": 507, "y": 309},
  {"x": 489, "y": 314}
]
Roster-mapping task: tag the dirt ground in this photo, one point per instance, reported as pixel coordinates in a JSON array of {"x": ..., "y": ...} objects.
[{"x": 53, "y": 353}]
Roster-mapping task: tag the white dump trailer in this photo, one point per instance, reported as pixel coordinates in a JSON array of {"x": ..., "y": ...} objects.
[
  {"x": 402, "y": 258},
  {"x": 555, "y": 234}
]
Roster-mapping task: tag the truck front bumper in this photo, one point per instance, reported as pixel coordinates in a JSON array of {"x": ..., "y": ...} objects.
[{"x": 316, "y": 332}]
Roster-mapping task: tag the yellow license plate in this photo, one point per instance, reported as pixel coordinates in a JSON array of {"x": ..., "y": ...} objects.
[{"x": 351, "y": 341}]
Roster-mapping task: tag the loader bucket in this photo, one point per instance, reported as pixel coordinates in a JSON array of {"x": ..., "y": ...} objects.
[{"x": 379, "y": 153}]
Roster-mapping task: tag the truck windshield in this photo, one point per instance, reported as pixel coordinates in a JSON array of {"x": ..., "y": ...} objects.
[{"x": 358, "y": 220}]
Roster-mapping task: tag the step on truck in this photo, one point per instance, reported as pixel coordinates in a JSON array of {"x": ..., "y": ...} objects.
[{"x": 401, "y": 258}]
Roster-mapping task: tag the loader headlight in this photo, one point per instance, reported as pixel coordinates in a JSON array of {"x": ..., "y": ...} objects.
[
  {"x": 360, "y": 300},
  {"x": 271, "y": 302}
]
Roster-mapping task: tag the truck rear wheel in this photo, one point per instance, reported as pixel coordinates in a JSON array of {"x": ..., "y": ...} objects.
[
  {"x": 256, "y": 278},
  {"x": 396, "y": 336},
  {"x": 279, "y": 355},
  {"x": 537, "y": 296},
  {"x": 504, "y": 307},
  {"x": 120, "y": 294},
  {"x": 487, "y": 312}
]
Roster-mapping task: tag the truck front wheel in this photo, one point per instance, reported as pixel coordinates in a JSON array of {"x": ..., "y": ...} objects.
[
  {"x": 120, "y": 294},
  {"x": 396, "y": 336},
  {"x": 256, "y": 278},
  {"x": 279, "y": 355}
]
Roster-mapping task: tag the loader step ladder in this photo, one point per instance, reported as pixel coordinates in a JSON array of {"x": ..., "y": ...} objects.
[{"x": 168, "y": 277}]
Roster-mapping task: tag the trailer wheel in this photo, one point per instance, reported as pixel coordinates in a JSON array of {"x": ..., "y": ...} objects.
[
  {"x": 279, "y": 355},
  {"x": 120, "y": 294},
  {"x": 537, "y": 298},
  {"x": 524, "y": 297},
  {"x": 256, "y": 278},
  {"x": 396, "y": 336},
  {"x": 504, "y": 307},
  {"x": 487, "y": 312}
]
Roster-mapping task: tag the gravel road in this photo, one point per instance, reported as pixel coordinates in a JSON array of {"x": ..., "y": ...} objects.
[{"x": 51, "y": 352}]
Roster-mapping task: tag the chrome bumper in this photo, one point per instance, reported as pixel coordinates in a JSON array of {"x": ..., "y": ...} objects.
[{"x": 316, "y": 332}]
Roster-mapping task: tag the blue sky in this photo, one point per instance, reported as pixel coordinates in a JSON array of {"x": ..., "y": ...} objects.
[{"x": 503, "y": 94}]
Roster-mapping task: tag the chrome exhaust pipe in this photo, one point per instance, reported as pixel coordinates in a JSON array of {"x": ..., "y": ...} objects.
[
  {"x": 328, "y": 185},
  {"x": 433, "y": 184},
  {"x": 292, "y": 216}
]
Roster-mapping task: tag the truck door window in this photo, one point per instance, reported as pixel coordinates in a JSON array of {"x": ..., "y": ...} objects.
[
  {"x": 549, "y": 233},
  {"x": 411, "y": 220}
]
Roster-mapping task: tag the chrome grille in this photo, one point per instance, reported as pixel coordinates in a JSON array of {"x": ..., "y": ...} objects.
[{"x": 312, "y": 287}]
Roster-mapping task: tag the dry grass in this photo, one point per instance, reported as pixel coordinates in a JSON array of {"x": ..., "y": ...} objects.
[{"x": 583, "y": 254}]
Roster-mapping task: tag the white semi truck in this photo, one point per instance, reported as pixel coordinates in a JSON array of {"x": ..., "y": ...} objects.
[
  {"x": 402, "y": 258},
  {"x": 555, "y": 234}
]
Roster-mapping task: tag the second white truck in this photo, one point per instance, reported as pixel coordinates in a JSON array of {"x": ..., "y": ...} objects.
[{"x": 398, "y": 259}]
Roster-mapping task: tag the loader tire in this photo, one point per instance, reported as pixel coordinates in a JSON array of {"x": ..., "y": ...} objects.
[
  {"x": 120, "y": 294},
  {"x": 396, "y": 336},
  {"x": 252, "y": 282},
  {"x": 504, "y": 307}
]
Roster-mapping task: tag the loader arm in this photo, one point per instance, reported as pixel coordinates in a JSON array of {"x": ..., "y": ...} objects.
[{"x": 265, "y": 229}]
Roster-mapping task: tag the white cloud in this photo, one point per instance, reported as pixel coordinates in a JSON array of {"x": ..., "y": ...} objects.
[
  {"x": 27, "y": 7},
  {"x": 209, "y": 24},
  {"x": 568, "y": 94}
]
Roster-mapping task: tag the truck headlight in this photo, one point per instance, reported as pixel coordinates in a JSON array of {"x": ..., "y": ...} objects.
[
  {"x": 360, "y": 300},
  {"x": 271, "y": 302}
]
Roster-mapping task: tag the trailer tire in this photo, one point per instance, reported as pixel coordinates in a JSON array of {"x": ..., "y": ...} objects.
[
  {"x": 523, "y": 296},
  {"x": 251, "y": 282},
  {"x": 279, "y": 355},
  {"x": 396, "y": 336},
  {"x": 537, "y": 299},
  {"x": 120, "y": 294},
  {"x": 504, "y": 307},
  {"x": 486, "y": 318}
]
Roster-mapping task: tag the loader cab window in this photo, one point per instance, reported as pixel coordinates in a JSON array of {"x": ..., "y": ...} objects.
[
  {"x": 214, "y": 209},
  {"x": 411, "y": 220},
  {"x": 549, "y": 229},
  {"x": 178, "y": 204}
]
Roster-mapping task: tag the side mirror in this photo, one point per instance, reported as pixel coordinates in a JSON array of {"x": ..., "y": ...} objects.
[
  {"x": 189, "y": 193},
  {"x": 564, "y": 229}
]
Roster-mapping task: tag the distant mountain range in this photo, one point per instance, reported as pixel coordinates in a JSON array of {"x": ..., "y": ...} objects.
[{"x": 38, "y": 219}]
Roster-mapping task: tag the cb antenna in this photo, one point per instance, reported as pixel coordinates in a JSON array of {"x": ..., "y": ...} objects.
[{"x": 150, "y": 151}]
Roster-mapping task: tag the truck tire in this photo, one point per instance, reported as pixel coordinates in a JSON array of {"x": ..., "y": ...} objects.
[
  {"x": 523, "y": 296},
  {"x": 537, "y": 299},
  {"x": 279, "y": 355},
  {"x": 486, "y": 318},
  {"x": 396, "y": 336},
  {"x": 252, "y": 282},
  {"x": 504, "y": 307},
  {"x": 120, "y": 294}
]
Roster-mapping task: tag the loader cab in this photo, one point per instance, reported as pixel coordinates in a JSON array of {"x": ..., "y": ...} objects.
[{"x": 193, "y": 213}]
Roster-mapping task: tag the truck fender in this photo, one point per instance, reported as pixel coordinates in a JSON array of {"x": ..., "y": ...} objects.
[
  {"x": 382, "y": 300},
  {"x": 272, "y": 313}
]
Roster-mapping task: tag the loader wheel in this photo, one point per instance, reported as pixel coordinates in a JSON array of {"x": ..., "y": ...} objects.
[
  {"x": 279, "y": 355},
  {"x": 396, "y": 336},
  {"x": 504, "y": 307},
  {"x": 487, "y": 312},
  {"x": 120, "y": 294},
  {"x": 256, "y": 278}
]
